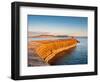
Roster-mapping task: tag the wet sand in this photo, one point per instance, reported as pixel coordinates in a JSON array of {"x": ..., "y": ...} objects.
[{"x": 35, "y": 60}]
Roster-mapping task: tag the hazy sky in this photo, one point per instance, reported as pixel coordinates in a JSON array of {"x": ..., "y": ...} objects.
[{"x": 58, "y": 25}]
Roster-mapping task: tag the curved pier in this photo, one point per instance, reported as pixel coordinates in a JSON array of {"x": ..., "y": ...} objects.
[{"x": 48, "y": 49}]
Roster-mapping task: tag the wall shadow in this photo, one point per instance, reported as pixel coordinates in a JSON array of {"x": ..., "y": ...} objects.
[{"x": 61, "y": 54}]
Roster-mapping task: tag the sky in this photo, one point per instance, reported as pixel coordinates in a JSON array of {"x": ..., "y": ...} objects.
[{"x": 58, "y": 25}]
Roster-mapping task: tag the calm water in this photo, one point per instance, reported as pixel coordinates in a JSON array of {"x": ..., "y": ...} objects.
[{"x": 77, "y": 55}]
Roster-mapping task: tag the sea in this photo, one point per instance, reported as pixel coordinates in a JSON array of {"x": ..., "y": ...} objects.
[{"x": 78, "y": 55}]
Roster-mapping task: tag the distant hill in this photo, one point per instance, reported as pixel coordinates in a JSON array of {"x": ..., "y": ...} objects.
[
  {"x": 42, "y": 36},
  {"x": 62, "y": 36},
  {"x": 47, "y": 36}
]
